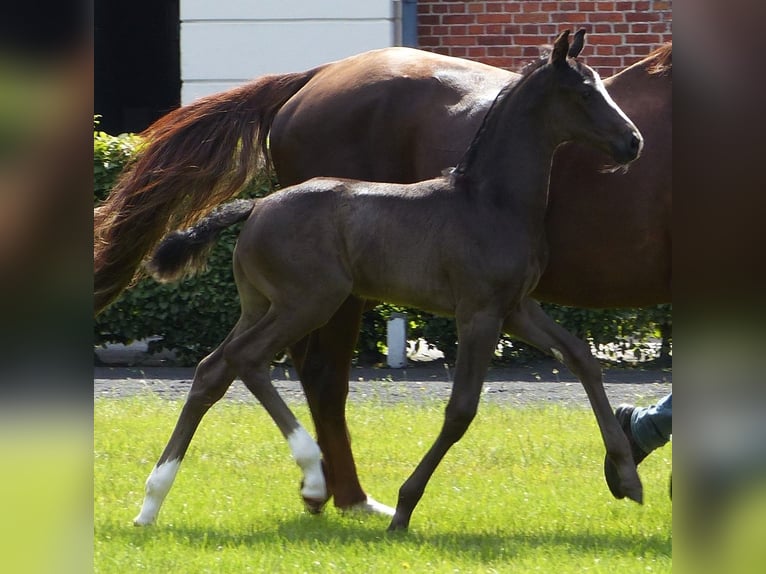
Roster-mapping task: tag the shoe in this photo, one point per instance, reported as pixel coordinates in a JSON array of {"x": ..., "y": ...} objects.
[{"x": 623, "y": 414}]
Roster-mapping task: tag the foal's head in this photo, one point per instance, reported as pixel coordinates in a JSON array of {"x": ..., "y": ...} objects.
[{"x": 580, "y": 108}]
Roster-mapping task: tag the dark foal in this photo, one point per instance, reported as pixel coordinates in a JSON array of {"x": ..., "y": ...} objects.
[{"x": 471, "y": 244}]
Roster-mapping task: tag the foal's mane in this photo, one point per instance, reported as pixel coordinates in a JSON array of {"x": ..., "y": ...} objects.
[{"x": 505, "y": 93}]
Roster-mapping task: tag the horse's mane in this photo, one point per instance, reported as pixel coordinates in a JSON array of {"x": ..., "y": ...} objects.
[
  {"x": 661, "y": 60},
  {"x": 504, "y": 93}
]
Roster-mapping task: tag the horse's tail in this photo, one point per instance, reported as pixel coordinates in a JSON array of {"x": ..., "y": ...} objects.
[
  {"x": 194, "y": 158},
  {"x": 183, "y": 253}
]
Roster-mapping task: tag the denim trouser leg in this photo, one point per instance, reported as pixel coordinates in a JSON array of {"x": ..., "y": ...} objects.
[{"x": 652, "y": 426}]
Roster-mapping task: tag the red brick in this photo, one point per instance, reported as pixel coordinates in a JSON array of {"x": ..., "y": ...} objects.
[
  {"x": 530, "y": 6},
  {"x": 523, "y": 40},
  {"x": 642, "y": 39},
  {"x": 428, "y": 20},
  {"x": 512, "y": 29},
  {"x": 641, "y": 16},
  {"x": 567, "y": 6},
  {"x": 493, "y": 40},
  {"x": 602, "y": 29},
  {"x": 659, "y": 6},
  {"x": 536, "y": 17},
  {"x": 493, "y": 18},
  {"x": 586, "y": 6},
  {"x": 607, "y": 7},
  {"x": 457, "y": 8},
  {"x": 605, "y": 50},
  {"x": 597, "y": 39},
  {"x": 458, "y": 51},
  {"x": 477, "y": 7},
  {"x": 476, "y": 29},
  {"x": 549, "y": 6},
  {"x": 531, "y": 29},
  {"x": 475, "y": 52},
  {"x": 621, "y": 28},
  {"x": 639, "y": 27},
  {"x": 459, "y": 19},
  {"x": 606, "y": 17},
  {"x": 569, "y": 17},
  {"x": 641, "y": 6},
  {"x": 624, "y": 6}
]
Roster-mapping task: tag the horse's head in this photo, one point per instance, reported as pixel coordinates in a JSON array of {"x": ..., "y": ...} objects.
[{"x": 583, "y": 110}]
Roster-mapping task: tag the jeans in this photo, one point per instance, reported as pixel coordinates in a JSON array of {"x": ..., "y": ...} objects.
[{"x": 652, "y": 426}]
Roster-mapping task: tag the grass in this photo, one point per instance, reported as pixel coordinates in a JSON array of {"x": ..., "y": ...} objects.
[{"x": 522, "y": 492}]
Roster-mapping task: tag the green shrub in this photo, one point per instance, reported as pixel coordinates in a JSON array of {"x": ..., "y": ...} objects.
[{"x": 193, "y": 316}]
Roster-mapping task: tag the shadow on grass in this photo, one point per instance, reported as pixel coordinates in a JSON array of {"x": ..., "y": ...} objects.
[{"x": 338, "y": 531}]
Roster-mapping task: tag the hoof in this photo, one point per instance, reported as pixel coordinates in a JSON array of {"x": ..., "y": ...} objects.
[
  {"x": 398, "y": 525},
  {"x": 369, "y": 506},
  {"x": 314, "y": 505},
  {"x": 138, "y": 521}
]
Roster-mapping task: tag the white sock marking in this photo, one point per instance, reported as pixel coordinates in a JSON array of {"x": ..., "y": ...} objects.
[
  {"x": 308, "y": 456},
  {"x": 157, "y": 487}
]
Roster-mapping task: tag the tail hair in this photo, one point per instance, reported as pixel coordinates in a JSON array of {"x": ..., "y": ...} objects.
[
  {"x": 185, "y": 253},
  {"x": 194, "y": 158}
]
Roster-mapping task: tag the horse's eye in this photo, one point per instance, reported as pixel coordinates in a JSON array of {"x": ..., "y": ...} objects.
[{"x": 585, "y": 94}]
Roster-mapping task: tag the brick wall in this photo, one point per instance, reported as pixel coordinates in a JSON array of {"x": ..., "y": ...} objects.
[{"x": 508, "y": 34}]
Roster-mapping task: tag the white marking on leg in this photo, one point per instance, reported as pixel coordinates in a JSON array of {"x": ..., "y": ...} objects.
[
  {"x": 556, "y": 353},
  {"x": 308, "y": 456},
  {"x": 157, "y": 487},
  {"x": 370, "y": 506}
]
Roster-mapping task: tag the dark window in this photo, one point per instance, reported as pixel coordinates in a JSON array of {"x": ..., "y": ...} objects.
[{"x": 137, "y": 63}]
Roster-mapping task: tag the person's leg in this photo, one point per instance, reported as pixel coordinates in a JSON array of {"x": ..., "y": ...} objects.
[
  {"x": 647, "y": 428},
  {"x": 651, "y": 426}
]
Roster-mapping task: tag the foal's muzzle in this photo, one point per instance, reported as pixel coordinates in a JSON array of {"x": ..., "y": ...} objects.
[{"x": 629, "y": 149}]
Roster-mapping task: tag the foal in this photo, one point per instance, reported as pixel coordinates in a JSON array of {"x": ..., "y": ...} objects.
[{"x": 469, "y": 244}]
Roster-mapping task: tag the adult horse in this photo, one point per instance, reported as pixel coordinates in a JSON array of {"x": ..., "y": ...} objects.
[
  {"x": 477, "y": 250},
  {"x": 385, "y": 115}
]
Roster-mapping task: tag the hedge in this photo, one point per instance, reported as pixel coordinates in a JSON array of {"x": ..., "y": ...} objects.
[{"x": 193, "y": 316}]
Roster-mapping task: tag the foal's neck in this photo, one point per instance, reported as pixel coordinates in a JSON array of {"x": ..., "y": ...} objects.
[{"x": 510, "y": 167}]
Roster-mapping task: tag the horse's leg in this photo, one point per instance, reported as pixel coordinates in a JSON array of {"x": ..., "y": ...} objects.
[
  {"x": 250, "y": 354},
  {"x": 530, "y": 324},
  {"x": 323, "y": 361},
  {"x": 211, "y": 379},
  {"x": 478, "y": 336}
]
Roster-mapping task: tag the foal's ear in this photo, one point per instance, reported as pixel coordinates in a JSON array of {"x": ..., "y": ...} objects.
[
  {"x": 560, "y": 48},
  {"x": 577, "y": 43}
]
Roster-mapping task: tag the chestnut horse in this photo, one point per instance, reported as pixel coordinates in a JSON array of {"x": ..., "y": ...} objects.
[
  {"x": 470, "y": 244},
  {"x": 397, "y": 115}
]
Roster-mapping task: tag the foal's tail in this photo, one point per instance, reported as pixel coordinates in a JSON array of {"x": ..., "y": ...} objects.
[
  {"x": 183, "y": 253},
  {"x": 194, "y": 158}
]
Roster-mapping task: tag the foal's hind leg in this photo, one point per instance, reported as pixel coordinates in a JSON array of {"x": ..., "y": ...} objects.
[
  {"x": 323, "y": 361},
  {"x": 211, "y": 379},
  {"x": 250, "y": 354},
  {"x": 533, "y": 326}
]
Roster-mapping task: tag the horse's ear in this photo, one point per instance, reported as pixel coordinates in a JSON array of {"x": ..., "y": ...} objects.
[
  {"x": 577, "y": 43},
  {"x": 560, "y": 48}
]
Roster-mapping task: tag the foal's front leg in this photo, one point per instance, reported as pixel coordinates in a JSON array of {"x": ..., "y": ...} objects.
[
  {"x": 530, "y": 324},
  {"x": 478, "y": 336}
]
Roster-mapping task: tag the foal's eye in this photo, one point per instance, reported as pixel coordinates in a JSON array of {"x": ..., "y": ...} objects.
[{"x": 585, "y": 94}]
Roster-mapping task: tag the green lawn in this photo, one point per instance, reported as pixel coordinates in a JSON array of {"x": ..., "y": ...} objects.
[{"x": 522, "y": 492}]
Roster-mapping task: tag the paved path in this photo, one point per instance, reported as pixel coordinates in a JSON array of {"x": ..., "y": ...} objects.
[{"x": 543, "y": 383}]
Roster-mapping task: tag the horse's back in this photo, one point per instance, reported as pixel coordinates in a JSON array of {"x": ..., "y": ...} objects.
[{"x": 386, "y": 115}]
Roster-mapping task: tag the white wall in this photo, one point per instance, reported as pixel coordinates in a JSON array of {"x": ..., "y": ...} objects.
[{"x": 227, "y": 42}]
